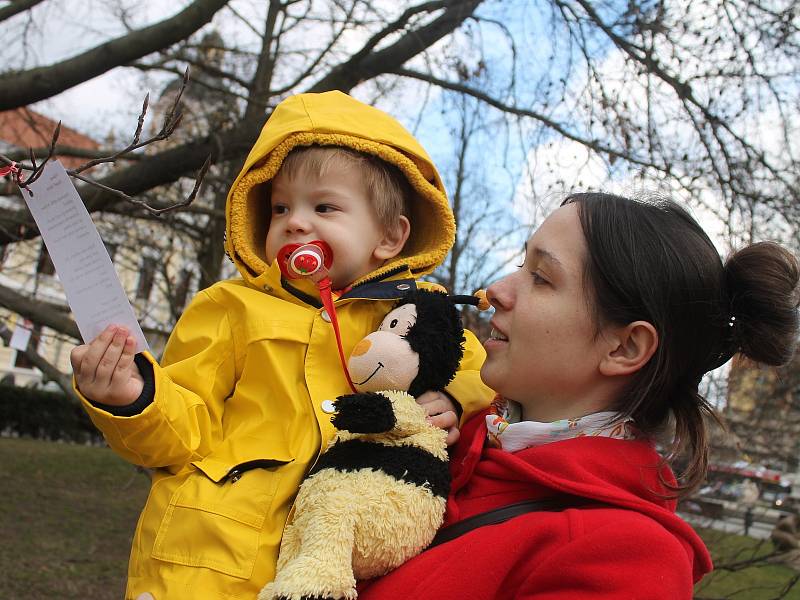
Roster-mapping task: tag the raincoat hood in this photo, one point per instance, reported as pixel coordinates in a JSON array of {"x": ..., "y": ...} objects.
[{"x": 335, "y": 119}]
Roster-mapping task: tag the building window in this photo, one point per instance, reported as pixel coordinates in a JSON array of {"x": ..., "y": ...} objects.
[
  {"x": 111, "y": 249},
  {"x": 44, "y": 266},
  {"x": 147, "y": 276},
  {"x": 182, "y": 289}
]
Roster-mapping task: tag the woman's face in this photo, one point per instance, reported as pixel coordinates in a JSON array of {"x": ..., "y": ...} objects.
[{"x": 544, "y": 352}]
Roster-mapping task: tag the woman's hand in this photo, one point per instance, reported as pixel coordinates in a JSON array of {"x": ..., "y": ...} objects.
[
  {"x": 104, "y": 368},
  {"x": 441, "y": 411}
]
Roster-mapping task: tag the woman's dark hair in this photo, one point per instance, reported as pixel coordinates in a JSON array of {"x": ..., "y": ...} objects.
[{"x": 649, "y": 260}]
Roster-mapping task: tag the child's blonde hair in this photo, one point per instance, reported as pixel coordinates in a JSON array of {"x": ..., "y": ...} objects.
[{"x": 388, "y": 189}]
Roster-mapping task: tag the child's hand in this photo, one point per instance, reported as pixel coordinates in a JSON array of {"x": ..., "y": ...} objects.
[
  {"x": 441, "y": 413},
  {"x": 104, "y": 368}
]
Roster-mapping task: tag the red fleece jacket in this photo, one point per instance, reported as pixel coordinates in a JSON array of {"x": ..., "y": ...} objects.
[{"x": 632, "y": 547}]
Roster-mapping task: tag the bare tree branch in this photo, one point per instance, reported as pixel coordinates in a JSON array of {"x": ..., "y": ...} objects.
[
  {"x": 171, "y": 121},
  {"x": 50, "y": 315},
  {"x": 597, "y": 145},
  {"x": 17, "y": 7},
  {"x": 22, "y": 88},
  {"x": 348, "y": 74},
  {"x": 711, "y": 121},
  {"x": 169, "y": 165},
  {"x": 259, "y": 88},
  {"x": 314, "y": 64},
  {"x": 64, "y": 381},
  {"x": 63, "y": 150},
  {"x": 397, "y": 25}
]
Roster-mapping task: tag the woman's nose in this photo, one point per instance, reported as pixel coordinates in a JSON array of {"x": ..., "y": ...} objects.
[{"x": 499, "y": 294}]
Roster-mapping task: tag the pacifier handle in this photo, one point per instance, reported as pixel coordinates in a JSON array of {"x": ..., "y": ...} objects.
[{"x": 312, "y": 261}]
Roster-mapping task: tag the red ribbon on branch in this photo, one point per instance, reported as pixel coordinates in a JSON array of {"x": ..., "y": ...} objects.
[{"x": 14, "y": 171}]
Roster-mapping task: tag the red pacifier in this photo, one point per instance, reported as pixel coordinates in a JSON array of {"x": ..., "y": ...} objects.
[{"x": 312, "y": 261}]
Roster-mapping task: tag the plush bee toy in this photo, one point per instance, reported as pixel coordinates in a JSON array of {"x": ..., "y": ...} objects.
[{"x": 377, "y": 496}]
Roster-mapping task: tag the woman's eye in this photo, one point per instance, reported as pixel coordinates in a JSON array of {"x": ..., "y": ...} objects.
[{"x": 538, "y": 279}]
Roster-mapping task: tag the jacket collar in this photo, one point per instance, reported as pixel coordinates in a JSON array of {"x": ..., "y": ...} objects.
[{"x": 388, "y": 285}]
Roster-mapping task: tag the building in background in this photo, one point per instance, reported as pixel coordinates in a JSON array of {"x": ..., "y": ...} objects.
[
  {"x": 760, "y": 450},
  {"x": 763, "y": 414}
]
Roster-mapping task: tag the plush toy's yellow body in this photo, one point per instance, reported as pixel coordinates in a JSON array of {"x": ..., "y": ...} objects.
[{"x": 365, "y": 511}]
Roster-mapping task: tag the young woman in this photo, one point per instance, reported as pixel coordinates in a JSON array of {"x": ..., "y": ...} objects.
[{"x": 600, "y": 341}]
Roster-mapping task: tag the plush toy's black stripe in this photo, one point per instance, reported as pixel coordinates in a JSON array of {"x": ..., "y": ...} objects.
[{"x": 406, "y": 463}]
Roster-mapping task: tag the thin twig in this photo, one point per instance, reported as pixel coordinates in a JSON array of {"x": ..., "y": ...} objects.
[
  {"x": 171, "y": 121},
  {"x": 37, "y": 171},
  {"x": 151, "y": 209}
]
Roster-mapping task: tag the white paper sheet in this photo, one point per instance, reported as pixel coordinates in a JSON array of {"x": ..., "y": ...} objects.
[
  {"x": 22, "y": 335},
  {"x": 84, "y": 268}
]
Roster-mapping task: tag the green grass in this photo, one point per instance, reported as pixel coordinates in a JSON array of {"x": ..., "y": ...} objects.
[
  {"x": 67, "y": 519},
  {"x": 68, "y": 515},
  {"x": 761, "y": 581}
]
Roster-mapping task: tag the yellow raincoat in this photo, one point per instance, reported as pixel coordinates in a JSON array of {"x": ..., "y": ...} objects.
[{"x": 237, "y": 416}]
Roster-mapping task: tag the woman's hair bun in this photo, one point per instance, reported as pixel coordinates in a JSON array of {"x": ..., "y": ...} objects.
[{"x": 762, "y": 288}]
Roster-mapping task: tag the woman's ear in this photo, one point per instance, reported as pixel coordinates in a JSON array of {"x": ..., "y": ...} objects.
[
  {"x": 630, "y": 348},
  {"x": 393, "y": 240}
]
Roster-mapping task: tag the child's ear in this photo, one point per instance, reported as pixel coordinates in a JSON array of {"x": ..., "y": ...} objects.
[
  {"x": 629, "y": 349},
  {"x": 393, "y": 240}
]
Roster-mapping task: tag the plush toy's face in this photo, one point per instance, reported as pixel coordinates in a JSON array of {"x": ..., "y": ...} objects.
[{"x": 384, "y": 359}]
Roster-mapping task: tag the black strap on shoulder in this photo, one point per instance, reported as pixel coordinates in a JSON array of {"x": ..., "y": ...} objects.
[{"x": 504, "y": 513}]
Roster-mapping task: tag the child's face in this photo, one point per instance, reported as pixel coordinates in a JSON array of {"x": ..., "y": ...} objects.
[{"x": 334, "y": 207}]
